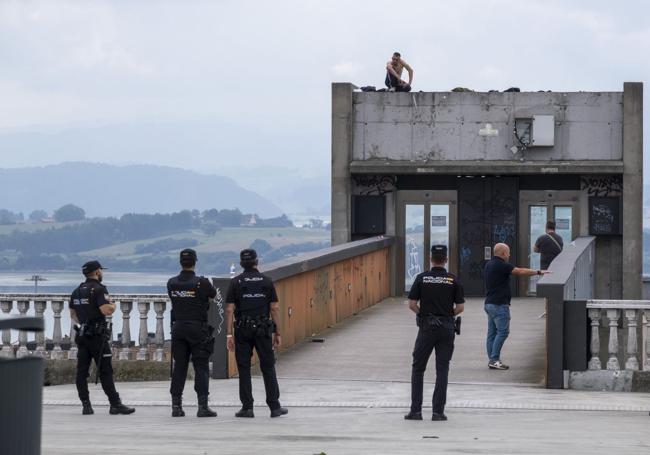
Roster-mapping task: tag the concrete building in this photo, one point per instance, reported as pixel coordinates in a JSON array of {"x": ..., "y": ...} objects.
[{"x": 471, "y": 169}]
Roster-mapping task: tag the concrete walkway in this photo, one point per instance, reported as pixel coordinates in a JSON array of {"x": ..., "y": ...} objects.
[
  {"x": 348, "y": 394},
  {"x": 377, "y": 345}
]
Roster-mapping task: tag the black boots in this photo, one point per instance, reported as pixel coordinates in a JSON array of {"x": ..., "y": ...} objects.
[
  {"x": 177, "y": 408},
  {"x": 87, "y": 408},
  {"x": 279, "y": 412},
  {"x": 243, "y": 412},
  {"x": 413, "y": 416},
  {"x": 204, "y": 410},
  {"x": 438, "y": 417},
  {"x": 119, "y": 408}
]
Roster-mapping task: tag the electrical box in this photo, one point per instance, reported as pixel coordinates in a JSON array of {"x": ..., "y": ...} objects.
[
  {"x": 543, "y": 131},
  {"x": 536, "y": 131}
]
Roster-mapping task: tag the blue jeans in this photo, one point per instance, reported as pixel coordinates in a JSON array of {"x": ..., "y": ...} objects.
[{"x": 498, "y": 329}]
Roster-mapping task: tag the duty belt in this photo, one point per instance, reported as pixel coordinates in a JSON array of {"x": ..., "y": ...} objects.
[
  {"x": 91, "y": 329},
  {"x": 432, "y": 321},
  {"x": 253, "y": 323}
]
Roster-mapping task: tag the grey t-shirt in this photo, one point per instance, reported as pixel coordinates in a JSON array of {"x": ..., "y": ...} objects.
[{"x": 548, "y": 248}]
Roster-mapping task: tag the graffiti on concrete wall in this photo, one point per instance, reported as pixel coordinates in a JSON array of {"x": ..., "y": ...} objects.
[
  {"x": 367, "y": 185},
  {"x": 608, "y": 185}
]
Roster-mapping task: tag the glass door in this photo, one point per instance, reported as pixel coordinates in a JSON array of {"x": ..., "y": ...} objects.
[
  {"x": 424, "y": 225},
  {"x": 439, "y": 225},
  {"x": 538, "y": 215},
  {"x": 563, "y": 217},
  {"x": 414, "y": 259}
]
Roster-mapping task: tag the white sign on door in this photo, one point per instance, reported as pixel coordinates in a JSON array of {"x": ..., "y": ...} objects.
[
  {"x": 438, "y": 220},
  {"x": 562, "y": 223}
]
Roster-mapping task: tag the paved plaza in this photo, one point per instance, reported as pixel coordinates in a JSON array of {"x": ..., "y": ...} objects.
[{"x": 348, "y": 394}]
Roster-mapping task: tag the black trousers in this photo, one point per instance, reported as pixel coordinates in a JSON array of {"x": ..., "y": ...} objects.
[
  {"x": 245, "y": 340},
  {"x": 190, "y": 340},
  {"x": 442, "y": 340},
  {"x": 392, "y": 82},
  {"x": 94, "y": 348}
]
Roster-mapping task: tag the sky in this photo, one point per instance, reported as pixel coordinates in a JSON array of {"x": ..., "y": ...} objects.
[{"x": 255, "y": 75}]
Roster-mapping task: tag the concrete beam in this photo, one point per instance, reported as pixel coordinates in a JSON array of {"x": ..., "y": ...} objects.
[
  {"x": 342, "y": 116},
  {"x": 474, "y": 167},
  {"x": 632, "y": 189}
]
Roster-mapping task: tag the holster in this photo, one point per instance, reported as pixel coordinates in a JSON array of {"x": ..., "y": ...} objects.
[
  {"x": 94, "y": 329},
  {"x": 208, "y": 342}
]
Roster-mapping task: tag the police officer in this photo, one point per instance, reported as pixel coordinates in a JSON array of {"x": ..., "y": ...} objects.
[
  {"x": 252, "y": 299},
  {"x": 89, "y": 306},
  {"x": 440, "y": 296},
  {"x": 191, "y": 334}
]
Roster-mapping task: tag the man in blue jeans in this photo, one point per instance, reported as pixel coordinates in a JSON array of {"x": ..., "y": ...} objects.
[{"x": 497, "y": 301}]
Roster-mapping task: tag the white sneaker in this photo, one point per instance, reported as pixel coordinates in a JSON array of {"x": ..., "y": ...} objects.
[{"x": 497, "y": 365}]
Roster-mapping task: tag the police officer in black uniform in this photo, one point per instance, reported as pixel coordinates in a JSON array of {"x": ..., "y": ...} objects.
[
  {"x": 89, "y": 306},
  {"x": 191, "y": 334},
  {"x": 441, "y": 298},
  {"x": 252, "y": 299}
]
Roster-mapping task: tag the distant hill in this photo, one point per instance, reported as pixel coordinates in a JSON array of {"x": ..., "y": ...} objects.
[{"x": 107, "y": 190}]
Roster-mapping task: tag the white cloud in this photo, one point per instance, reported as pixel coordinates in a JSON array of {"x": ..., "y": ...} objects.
[{"x": 347, "y": 69}]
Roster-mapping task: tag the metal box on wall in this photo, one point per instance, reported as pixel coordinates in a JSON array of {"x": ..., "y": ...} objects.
[{"x": 543, "y": 131}]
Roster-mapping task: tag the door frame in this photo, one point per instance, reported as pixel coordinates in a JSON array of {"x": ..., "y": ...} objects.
[
  {"x": 549, "y": 198},
  {"x": 425, "y": 197}
]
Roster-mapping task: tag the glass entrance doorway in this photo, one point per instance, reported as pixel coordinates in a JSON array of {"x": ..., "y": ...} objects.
[
  {"x": 538, "y": 215},
  {"x": 425, "y": 225}
]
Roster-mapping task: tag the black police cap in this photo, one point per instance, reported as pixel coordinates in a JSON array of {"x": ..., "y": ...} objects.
[
  {"x": 248, "y": 255},
  {"x": 90, "y": 267},
  {"x": 188, "y": 256},
  {"x": 439, "y": 250}
]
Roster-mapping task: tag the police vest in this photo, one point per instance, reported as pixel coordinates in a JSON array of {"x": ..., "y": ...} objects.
[
  {"x": 84, "y": 302},
  {"x": 254, "y": 295},
  {"x": 187, "y": 301}
]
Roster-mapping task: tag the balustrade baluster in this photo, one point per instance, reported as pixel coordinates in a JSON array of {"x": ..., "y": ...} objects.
[
  {"x": 109, "y": 321},
  {"x": 612, "y": 363},
  {"x": 72, "y": 353},
  {"x": 594, "y": 317},
  {"x": 159, "y": 308},
  {"x": 23, "y": 307},
  {"x": 39, "y": 310},
  {"x": 632, "y": 363},
  {"x": 7, "y": 348},
  {"x": 143, "y": 352},
  {"x": 126, "y": 306},
  {"x": 646, "y": 360},
  {"x": 57, "y": 308}
]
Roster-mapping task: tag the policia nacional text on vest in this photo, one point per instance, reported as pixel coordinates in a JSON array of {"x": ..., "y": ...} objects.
[
  {"x": 436, "y": 297},
  {"x": 89, "y": 306},
  {"x": 252, "y": 299},
  {"x": 191, "y": 335}
]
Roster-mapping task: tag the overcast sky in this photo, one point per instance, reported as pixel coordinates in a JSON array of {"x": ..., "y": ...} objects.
[{"x": 257, "y": 74}]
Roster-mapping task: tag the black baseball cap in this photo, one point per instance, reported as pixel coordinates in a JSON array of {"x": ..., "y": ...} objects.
[
  {"x": 439, "y": 250},
  {"x": 188, "y": 257},
  {"x": 248, "y": 255},
  {"x": 90, "y": 267}
]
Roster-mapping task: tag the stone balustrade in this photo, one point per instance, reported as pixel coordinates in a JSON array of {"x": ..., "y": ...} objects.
[
  {"x": 54, "y": 309},
  {"x": 624, "y": 326}
]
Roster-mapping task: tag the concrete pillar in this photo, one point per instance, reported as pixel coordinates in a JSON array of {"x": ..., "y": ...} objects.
[
  {"x": 391, "y": 216},
  {"x": 632, "y": 189},
  {"x": 342, "y": 117}
]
